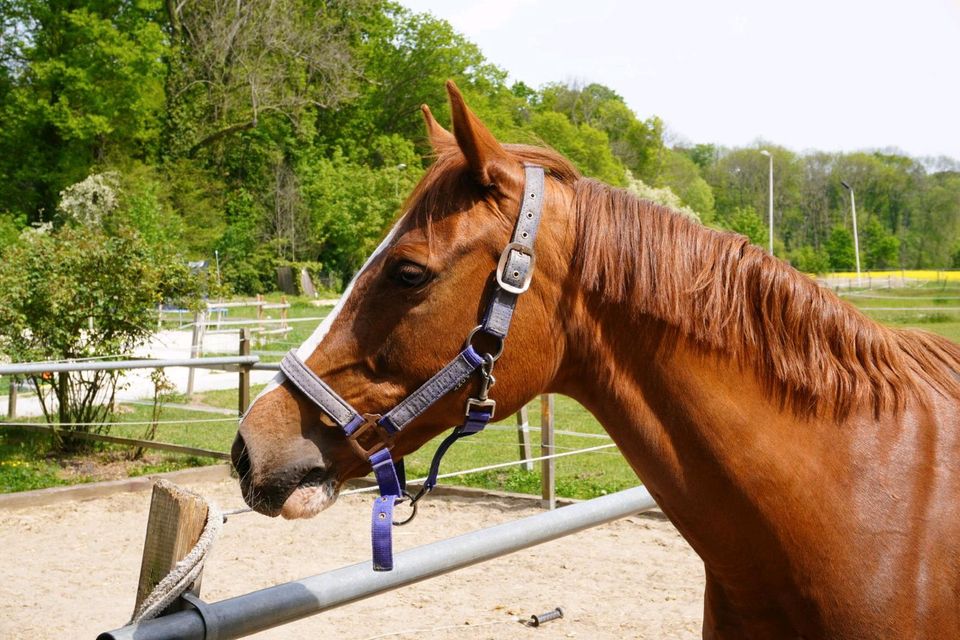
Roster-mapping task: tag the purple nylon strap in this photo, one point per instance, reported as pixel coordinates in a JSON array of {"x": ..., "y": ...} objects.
[
  {"x": 476, "y": 420},
  {"x": 443, "y": 382},
  {"x": 382, "y": 517}
]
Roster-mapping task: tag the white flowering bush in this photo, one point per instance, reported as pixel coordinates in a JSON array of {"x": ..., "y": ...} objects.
[
  {"x": 660, "y": 195},
  {"x": 87, "y": 202}
]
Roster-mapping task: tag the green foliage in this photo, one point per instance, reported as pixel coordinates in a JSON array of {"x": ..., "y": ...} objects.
[
  {"x": 682, "y": 175},
  {"x": 219, "y": 140},
  {"x": 78, "y": 293},
  {"x": 587, "y": 147},
  {"x": 91, "y": 87},
  {"x": 746, "y": 221},
  {"x": 10, "y": 227},
  {"x": 406, "y": 58},
  {"x": 638, "y": 145},
  {"x": 881, "y": 249},
  {"x": 660, "y": 195},
  {"x": 840, "y": 250},
  {"x": 703, "y": 155},
  {"x": 245, "y": 263},
  {"x": 350, "y": 205},
  {"x": 809, "y": 260}
]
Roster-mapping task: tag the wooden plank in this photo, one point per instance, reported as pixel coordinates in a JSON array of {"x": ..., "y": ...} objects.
[
  {"x": 176, "y": 520},
  {"x": 101, "y": 437},
  {"x": 244, "y": 393},
  {"x": 523, "y": 438},
  {"x": 548, "y": 487}
]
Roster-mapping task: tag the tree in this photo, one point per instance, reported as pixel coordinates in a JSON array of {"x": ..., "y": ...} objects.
[
  {"x": 881, "y": 249},
  {"x": 682, "y": 175},
  {"x": 405, "y": 58},
  {"x": 746, "y": 221},
  {"x": 233, "y": 64},
  {"x": 638, "y": 145},
  {"x": 587, "y": 147},
  {"x": 80, "y": 293},
  {"x": 809, "y": 260},
  {"x": 840, "y": 250},
  {"x": 660, "y": 195},
  {"x": 86, "y": 85},
  {"x": 350, "y": 206}
]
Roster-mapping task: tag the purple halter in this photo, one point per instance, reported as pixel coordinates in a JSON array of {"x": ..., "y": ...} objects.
[{"x": 513, "y": 274}]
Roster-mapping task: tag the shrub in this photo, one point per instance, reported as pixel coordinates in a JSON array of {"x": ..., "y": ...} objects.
[
  {"x": 809, "y": 260},
  {"x": 80, "y": 293}
]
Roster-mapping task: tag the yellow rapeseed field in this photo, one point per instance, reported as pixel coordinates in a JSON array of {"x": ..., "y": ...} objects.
[{"x": 933, "y": 275}]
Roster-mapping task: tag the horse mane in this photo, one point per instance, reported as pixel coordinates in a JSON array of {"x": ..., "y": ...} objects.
[{"x": 815, "y": 352}]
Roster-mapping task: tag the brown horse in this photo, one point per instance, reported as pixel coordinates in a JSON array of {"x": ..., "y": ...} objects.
[{"x": 810, "y": 456}]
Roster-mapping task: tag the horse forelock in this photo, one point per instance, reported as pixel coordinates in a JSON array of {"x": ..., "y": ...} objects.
[{"x": 814, "y": 352}]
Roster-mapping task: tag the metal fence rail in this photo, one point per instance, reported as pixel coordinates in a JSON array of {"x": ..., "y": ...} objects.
[
  {"x": 33, "y": 368},
  {"x": 241, "y": 364},
  {"x": 284, "y": 603}
]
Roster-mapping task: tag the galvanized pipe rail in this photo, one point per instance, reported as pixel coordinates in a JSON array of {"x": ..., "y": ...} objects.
[
  {"x": 28, "y": 368},
  {"x": 284, "y": 603}
]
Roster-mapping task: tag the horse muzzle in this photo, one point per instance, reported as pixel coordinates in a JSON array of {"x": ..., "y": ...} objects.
[{"x": 292, "y": 484}]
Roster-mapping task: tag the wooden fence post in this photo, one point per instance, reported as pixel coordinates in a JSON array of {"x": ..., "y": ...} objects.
[
  {"x": 196, "y": 341},
  {"x": 63, "y": 388},
  {"x": 12, "y": 398},
  {"x": 523, "y": 438},
  {"x": 261, "y": 340},
  {"x": 244, "y": 394},
  {"x": 547, "y": 467},
  {"x": 176, "y": 520}
]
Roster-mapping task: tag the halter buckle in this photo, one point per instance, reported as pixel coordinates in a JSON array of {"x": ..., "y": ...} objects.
[
  {"x": 527, "y": 274},
  {"x": 488, "y": 405},
  {"x": 371, "y": 422}
]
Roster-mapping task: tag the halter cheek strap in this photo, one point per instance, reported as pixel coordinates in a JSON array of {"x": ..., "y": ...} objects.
[{"x": 513, "y": 275}]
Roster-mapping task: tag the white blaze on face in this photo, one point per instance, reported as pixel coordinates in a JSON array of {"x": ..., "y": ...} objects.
[{"x": 311, "y": 343}]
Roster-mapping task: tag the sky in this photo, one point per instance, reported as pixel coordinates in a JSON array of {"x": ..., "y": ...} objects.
[{"x": 840, "y": 75}]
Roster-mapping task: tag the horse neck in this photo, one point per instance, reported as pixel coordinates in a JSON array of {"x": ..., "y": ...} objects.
[{"x": 695, "y": 426}]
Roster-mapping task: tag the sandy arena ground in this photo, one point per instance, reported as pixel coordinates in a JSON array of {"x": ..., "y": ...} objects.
[{"x": 70, "y": 571}]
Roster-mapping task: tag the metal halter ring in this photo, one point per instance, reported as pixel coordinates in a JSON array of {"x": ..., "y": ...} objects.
[
  {"x": 479, "y": 327},
  {"x": 413, "y": 514}
]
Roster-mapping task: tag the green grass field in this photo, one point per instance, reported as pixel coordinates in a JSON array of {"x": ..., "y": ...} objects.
[
  {"x": 931, "y": 306},
  {"x": 26, "y": 464}
]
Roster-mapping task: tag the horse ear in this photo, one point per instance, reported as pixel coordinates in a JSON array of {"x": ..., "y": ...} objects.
[
  {"x": 438, "y": 136},
  {"x": 478, "y": 145}
]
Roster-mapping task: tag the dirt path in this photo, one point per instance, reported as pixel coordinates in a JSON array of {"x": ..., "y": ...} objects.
[{"x": 70, "y": 571}]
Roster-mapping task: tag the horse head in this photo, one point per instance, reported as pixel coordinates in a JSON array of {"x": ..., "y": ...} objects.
[{"x": 409, "y": 310}]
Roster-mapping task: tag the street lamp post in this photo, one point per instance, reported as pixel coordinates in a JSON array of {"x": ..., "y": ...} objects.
[
  {"x": 396, "y": 179},
  {"x": 856, "y": 239},
  {"x": 770, "y": 223}
]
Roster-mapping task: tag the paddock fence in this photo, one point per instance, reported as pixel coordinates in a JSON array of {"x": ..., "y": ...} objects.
[
  {"x": 243, "y": 364},
  {"x": 284, "y": 603}
]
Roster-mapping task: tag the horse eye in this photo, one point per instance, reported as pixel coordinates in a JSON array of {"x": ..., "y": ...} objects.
[{"x": 409, "y": 274}]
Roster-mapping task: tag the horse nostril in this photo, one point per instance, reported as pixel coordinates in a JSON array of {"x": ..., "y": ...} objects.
[{"x": 240, "y": 457}]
